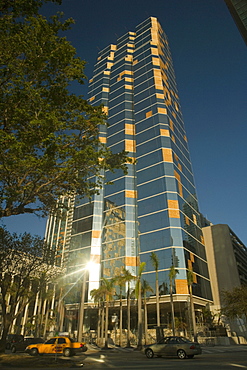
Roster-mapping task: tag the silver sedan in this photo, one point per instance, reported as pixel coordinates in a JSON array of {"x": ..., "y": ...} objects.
[{"x": 173, "y": 346}]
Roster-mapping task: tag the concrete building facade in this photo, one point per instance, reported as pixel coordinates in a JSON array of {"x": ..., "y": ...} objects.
[
  {"x": 227, "y": 260},
  {"x": 227, "y": 263}
]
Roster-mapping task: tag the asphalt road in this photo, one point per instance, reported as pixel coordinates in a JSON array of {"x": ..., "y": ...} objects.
[
  {"x": 133, "y": 360},
  {"x": 113, "y": 359}
]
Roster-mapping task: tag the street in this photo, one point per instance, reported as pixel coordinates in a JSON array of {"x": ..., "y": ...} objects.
[
  {"x": 217, "y": 358},
  {"x": 136, "y": 360}
]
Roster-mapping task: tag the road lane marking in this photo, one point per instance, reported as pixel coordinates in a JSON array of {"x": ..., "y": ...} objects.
[{"x": 237, "y": 365}]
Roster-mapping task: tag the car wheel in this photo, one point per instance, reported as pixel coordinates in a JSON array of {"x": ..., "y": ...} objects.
[
  {"x": 13, "y": 349},
  {"x": 149, "y": 353},
  {"x": 84, "y": 349},
  {"x": 34, "y": 352},
  {"x": 181, "y": 354},
  {"x": 67, "y": 352}
]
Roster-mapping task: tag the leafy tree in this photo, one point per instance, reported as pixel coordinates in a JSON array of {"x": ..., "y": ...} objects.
[
  {"x": 155, "y": 263},
  {"x": 49, "y": 138},
  {"x": 23, "y": 275},
  {"x": 235, "y": 302},
  {"x": 180, "y": 324},
  {"x": 208, "y": 316},
  {"x": 23, "y": 7}
]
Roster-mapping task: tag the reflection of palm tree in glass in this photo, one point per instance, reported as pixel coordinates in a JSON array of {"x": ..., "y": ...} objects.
[
  {"x": 113, "y": 238},
  {"x": 163, "y": 289}
]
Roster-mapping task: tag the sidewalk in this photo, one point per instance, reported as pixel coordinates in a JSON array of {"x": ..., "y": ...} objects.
[
  {"x": 222, "y": 349},
  {"x": 94, "y": 348}
]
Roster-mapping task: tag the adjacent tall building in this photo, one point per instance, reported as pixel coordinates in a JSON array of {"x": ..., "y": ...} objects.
[
  {"x": 227, "y": 259},
  {"x": 238, "y": 10},
  {"x": 227, "y": 262},
  {"x": 154, "y": 207}
]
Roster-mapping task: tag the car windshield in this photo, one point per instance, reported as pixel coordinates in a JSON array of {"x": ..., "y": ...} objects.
[
  {"x": 183, "y": 339},
  {"x": 71, "y": 339},
  {"x": 173, "y": 340}
]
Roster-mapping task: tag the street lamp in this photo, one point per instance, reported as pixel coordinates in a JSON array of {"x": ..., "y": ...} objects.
[{"x": 89, "y": 266}]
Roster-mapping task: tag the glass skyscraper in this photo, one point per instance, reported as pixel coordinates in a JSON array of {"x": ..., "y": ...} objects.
[{"x": 154, "y": 207}]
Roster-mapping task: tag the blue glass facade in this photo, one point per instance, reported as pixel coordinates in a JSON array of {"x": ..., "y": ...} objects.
[{"x": 154, "y": 207}]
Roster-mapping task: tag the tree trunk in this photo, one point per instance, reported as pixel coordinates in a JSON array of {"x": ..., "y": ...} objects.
[
  {"x": 157, "y": 302},
  {"x": 46, "y": 321},
  {"x": 139, "y": 343},
  {"x": 7, "y": 321},
  {"x": 106, "y": 323},
  {"x": 192, "y": 312},
  {"x": 145, "y": 320},
  {"x": 120, "y": 322},
  {"x": 6, "y": 326},
  {"x": 102, "y": 325},
  {"x": 172, "y": 311},
  {"x": 128, "y": 317},
  {"x": 99, "y": 324}
]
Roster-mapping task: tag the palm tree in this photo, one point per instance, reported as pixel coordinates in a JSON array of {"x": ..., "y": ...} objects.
[
  {"x": 146, "y": 287},
  {"x": 128, "y": 277},
  {"x": 172, "y": 274},
  {"x": 107, "y": 287},
  {"x": 98, "y": 297},
  {"x": 139, "y": 301},
  {"x": 155, "y": 263},
  {"x": 120, "y": 280},
  {"x": 190, "y": 280}
]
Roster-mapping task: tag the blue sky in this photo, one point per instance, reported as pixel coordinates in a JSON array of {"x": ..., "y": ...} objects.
[{"x": 210, "y": 62}]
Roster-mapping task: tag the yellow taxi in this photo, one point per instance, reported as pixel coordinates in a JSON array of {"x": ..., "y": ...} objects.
[{"x": 60, "y": 345}]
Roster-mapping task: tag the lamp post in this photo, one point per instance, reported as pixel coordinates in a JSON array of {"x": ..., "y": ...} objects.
[{"x": 88, "y": 266}]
